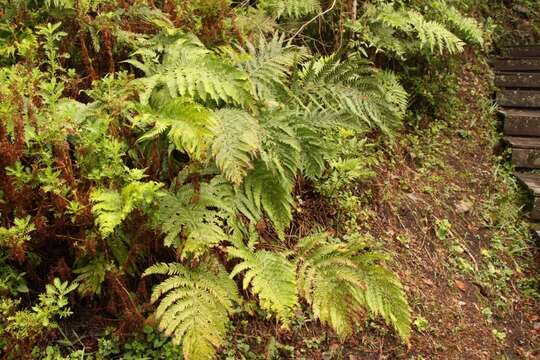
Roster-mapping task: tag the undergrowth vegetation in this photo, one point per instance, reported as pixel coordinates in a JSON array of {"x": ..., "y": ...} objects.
[{"x": 160, "y": 162}]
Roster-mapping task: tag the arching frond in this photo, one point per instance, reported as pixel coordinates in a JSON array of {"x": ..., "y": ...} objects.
[
  {"x": 190, "y": 126},
  {"x": 236, "y": 143},
  {"x": 185, "y": 67},
  {"x": 290, "y": 8},
  {"x": 195, "y": 306},
  {"x": 268, "y": 64},
  {"x": 111, "y": 207},
  {"x": 350, "y": 89},
  {"x": 341, "y": 281},
  {"x": 272, "y": 278},
  {"x": 193, "y": 220}
]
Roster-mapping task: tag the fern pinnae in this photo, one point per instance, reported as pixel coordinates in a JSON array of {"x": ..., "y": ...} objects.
[{"x": 195, "y": 306}]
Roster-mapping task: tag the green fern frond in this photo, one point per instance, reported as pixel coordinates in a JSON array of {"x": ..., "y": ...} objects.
[
  {"x": 466, "y": 28},
  {"x": 195, "y": 306},
  {"x": 193, "y": 220},
  {"x": 383, "y": 294},
  {"x": 290, "y": 8},
  {"x": 236, "y": 143},
  {"x": 350, "y": 89},
  {"x": 402, "y": 31},
  {"x": 268, "y": 64},
  {"x": 266, "y": 190},
  {"x": 434, "y": 35},
  {"x": 112, "y": 207},
  {"x": 190, "y": 125},
  {"x": 183, "y": 66},
  {"x": 340, "y": 281},
  {"x": 272, "y": 278},
  {"x": 395, "y": 92}
]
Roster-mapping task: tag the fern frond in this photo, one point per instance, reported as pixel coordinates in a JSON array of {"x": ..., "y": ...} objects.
[
  {"x": 383, "y": 294},
  {"x": 434, "y": 35},
  {"x": 395, "y": 92},
  {"x": 266, "y": 190},
  {"x": 339, "y": 283},
  {"x": 290, "y": 8},
  {"x": 272, "y": 278},
  {"x": 236, "y": 143},
  {"x": 112, "y": 207},
  {"x": 190, "y": 125},
  {"x": 268, "y": 64},
  {"x": 193, "y": 220},
  {"x": 402, "y": 31},
  {"x": 188, "y": 69},
  {"x": 350, "y": 89},
  {"x": 195, "y": 306},
  {"x": 466, "y": 28}
]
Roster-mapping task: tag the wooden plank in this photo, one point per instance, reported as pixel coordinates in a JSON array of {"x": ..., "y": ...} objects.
[
  {"x": 519, "y": 98},
  {"x": 521, "y": 122},
  {"x": 531, "y": 181},
  {"x": 523, "y": 142},
  {"x": 520, "y": 51},
  {"x": 526, "y": 158},
  {"x": 535, "y": 212},
  {"x": 526, "y": 64},
  {"x": 518, "y": 80}
]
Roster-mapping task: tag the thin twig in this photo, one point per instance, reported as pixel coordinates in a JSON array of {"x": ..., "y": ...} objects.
[{"x": 310, "y": 21}]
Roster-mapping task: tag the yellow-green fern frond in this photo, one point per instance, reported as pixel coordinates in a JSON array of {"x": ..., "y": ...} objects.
[
  {"x": 270, "y": 192},
  {"x": 350, "y": 89},
  {"x": 268, "y": 64},
  {"x": 237, "y": 141},
  {"x": 193, "y": 219},
  {"x": 466, "y": 28},
  {"x": 290, "y": 8},
  {"x": 111, "y": 207},
  {"x": 189, "y": 126},
  {"x": 195, "y": 306},
  {"x": 272, "y": 278},
  {"x": 182, "y": 65},
  {"x": 341, "y": 281}
]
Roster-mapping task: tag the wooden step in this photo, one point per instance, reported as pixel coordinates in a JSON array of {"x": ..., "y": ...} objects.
[
  {"x": 525, "y": 64},
  {"x": 525, "y": 151},
  {"x": 532, "y": 182},
  {"x": 519, "y": 98},
  {"x": 517, "y": 80},
  {"x": 523, "y": 142},
  {"x": 520, "y": 122},
  {"x": 520, "y": 51}
]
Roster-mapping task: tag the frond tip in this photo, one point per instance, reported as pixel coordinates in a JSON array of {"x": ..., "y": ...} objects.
[
  {"x": 195, "y": 306},
  {"x": 340, "y": 282},
  {"x": 272, "y": 278}
]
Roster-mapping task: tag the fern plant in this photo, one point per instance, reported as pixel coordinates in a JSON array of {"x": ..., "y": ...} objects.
[
  {"x": 111, "y": 207},
  {"x": 183, "y": 66},
  {"x": 290, "y": 8},
  {"x": 403, "y": 31},
  {"x": 195, "y": 307},
  {"x": 271, "y": 276},
  {"x": 341, "y": 279}
]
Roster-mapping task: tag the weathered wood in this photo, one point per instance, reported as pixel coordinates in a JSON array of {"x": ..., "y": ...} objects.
[
  {"x": 526, "y": 158},
  {"x": 519, "y": 98},
  {"x": 523, "y": 142},
  {"x": 520, "y": 51},
  {"x": 531, "y": 182},
  {"x": 535, "y": 211},
  {"x": 521, "y": 122},
  {"x": 518, "y": 80},
  {"x": 526, "y": 64},
  {"x": 525, "y": 151}
]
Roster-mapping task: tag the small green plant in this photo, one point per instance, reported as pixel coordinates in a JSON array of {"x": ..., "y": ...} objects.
[{"x": 421, "y": 323}]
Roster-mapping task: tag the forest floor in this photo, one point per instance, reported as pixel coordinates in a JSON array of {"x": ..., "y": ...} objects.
[{"x": 446, "y": 208}]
